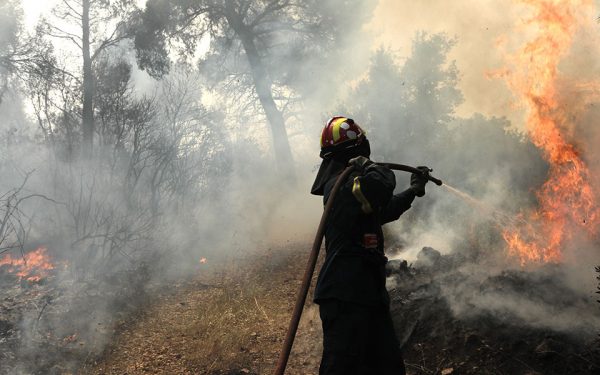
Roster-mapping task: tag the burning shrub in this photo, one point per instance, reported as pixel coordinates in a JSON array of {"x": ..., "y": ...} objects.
[{"x": 32, "y": 266}]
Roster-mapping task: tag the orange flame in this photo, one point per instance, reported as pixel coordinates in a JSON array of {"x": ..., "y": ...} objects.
[
  {"x": 202, "y": 260},
  {"x": 33, "y": 266},
  {"x": 567, "y": 200}
]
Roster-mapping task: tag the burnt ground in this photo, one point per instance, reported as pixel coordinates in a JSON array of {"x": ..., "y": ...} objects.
[
  {"x": 54, "y": 325},
  {"x": 437, "y": 341},
  {"x": 232, "y": 316},
  {"x": 232, "y": 321}
]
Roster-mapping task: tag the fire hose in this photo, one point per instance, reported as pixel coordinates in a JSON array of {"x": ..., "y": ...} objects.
[{"x": 314, "y": 255}]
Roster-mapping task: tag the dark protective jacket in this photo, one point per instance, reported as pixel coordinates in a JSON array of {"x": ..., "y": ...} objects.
[{"x": 354, "y": 267}]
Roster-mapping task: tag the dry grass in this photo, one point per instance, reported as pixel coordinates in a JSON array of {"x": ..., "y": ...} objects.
[{"x": 231, "y": 321}]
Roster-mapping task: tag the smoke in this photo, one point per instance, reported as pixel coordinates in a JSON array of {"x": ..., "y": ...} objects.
[
  {"x": 421, "y": 104},
  {"x": 478, "y": 27},
  {"x": 184, "y": 167},
  {"x": 540, "y": 299}
]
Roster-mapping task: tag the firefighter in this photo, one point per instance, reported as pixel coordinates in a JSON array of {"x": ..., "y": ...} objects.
[{"x": 358, "y": 333}]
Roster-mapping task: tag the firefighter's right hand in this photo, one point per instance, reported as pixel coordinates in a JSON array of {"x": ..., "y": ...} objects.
[
  {"x": 419, "y": 180},
  {"x": 360, "y": 163}
]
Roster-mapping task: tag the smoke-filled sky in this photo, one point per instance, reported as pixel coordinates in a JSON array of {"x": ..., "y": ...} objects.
[
  {"x": 485, "y": 31},
  {"x": 482, "y": 29}
]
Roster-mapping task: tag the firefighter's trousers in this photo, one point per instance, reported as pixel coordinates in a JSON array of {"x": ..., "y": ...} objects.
[{"x": 358, "y": 340}]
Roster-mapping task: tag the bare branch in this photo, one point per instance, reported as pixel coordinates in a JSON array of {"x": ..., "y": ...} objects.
[
  {"x": 110, "y": 41},
  {"x": 57, "y": 32},
  {"x": 77, "y": 13},
  {"x": 63, "y": 32}
]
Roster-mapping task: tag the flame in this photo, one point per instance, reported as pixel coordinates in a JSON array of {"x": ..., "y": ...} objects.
[
  {"x": 202, "y": 260},
  {"x": 567, "y": 200},
  {"x": 33, "y": 266}
]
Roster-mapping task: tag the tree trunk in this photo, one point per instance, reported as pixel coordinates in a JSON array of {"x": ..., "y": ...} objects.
[
  {"x": 87, "y": 124},
  {"x": 262, "y": 84}
]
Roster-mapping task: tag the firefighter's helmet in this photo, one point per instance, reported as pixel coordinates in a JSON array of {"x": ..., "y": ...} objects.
[{"x": 340, "y": 133}]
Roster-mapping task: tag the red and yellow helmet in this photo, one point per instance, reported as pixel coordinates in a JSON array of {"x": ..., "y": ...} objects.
[{"x": 340, "y": 133}]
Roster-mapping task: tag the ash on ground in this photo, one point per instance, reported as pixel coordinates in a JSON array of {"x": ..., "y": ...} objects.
[
  {"x": 54, "y": 325},
  {"x": 452, "y": 318}
]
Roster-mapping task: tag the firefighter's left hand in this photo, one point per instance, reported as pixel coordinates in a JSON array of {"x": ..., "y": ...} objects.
[
  {"x": 360, "y": 163},
  {"x": 419, "y": 180}
]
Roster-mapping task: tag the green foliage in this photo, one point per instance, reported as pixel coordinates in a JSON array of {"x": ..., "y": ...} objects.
[
  {"x": 408, "y": 110},
  {"x": 293, "y": 38},
  {"x": 413, "y": 101},
  {"x": 11, "y": 16},
  {"x": 21, "y": 55},
  {"x": 150, "y": 38}
]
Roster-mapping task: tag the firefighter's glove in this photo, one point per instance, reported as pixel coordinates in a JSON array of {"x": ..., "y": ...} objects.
[
  {"x": 360, "y": 163},
  {"x": 418, "y": 181}
]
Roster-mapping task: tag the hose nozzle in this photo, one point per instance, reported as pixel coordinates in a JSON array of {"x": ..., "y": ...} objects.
[{"x": 406, "y": 168}]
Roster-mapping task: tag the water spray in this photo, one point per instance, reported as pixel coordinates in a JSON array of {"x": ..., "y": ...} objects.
[
  {"x": 314, "y": 254},
  {"x": 500, "y": 217}
]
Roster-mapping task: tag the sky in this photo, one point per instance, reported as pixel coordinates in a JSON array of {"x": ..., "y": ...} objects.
[
  {"x": 484, "y": 29},
  {"x": 33, "y": 9},
  {"x": 481, "y": 29},
  {"x": 476, "y": 30}
]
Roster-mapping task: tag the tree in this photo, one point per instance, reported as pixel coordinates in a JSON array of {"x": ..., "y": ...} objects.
[
  {"x": 408, "y": 109},
  {"x": 189, "y": 156},
  {"x": 273, "y": 37},
  {"x": 21, "y": 55},
  {"x": 409, "y": 106},
  {"x": 102, "y": 24}
]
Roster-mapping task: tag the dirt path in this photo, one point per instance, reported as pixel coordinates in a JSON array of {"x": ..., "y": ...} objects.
[{"x": 229, "y": 321}]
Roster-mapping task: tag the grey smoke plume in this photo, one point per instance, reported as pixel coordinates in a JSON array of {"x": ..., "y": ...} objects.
[{"x": 184, "y": 167}]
